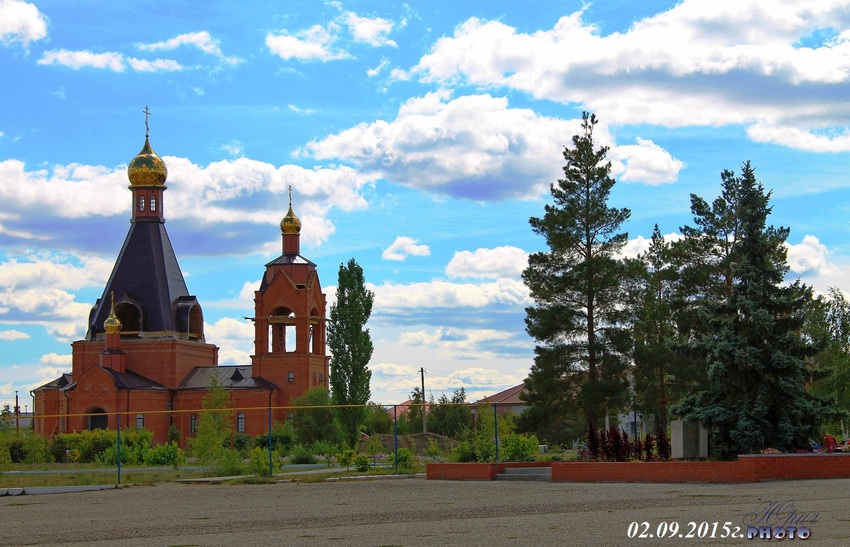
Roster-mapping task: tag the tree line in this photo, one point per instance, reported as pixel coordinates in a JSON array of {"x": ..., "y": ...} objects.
[{"x": 704, "y": 328}]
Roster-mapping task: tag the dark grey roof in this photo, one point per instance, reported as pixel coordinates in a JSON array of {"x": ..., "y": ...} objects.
[
  {"x": 131, "y": 380},
  {"x": 147, "y": 275},
  {"x": 229, "y": 376},
  {"x": 286, "y": 260},
  {"x": 60, "y": 382}
]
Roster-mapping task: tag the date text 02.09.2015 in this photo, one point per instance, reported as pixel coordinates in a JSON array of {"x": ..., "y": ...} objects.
[{"x": 700, "y": 530}]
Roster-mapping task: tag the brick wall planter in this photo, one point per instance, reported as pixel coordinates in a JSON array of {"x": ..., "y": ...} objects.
[
  {"x": 473, "y": 471},
  {"x": 748, "y": 468}
]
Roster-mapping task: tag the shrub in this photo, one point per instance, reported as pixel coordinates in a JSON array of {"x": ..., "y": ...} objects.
[
  {"x": 5, "y": 458},
  {"x": 259, "y": 462},
  {"x": 242, "y": 442},
  {"x": 374, "y": 445},
  {"x": 403, "y": 459},
  {"x": 36, "y": 449},
  {"x": 662, "y": 444},
  {"x": 301, "y": 455},
  {"x": 173, "y": 434},
  {"x": 519, "y": 448},
  {"x": 362, "y": 463},
  {"x": 324, "y": 448},
  {"x": 229, "y": 464},
  {"x": 464, "y": 452},
  {"x": 165, "y": 454},
  {"x": 434, "y": 451},
  {"x": 345, "y": 458}
]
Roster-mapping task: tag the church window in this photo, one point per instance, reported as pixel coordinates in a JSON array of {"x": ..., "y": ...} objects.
[
  {"x": 153, "y": 203},
  {"x": 141, "y": 204},
  {"x": 140, "y": 421},
  {"x": 193, "y": 424},
  {"x": 240, "y": 422}
]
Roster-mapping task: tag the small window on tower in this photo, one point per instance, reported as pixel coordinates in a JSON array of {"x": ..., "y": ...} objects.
[
  {"x": 153, "y": 203},
  {"x": 141, "y": 204}
]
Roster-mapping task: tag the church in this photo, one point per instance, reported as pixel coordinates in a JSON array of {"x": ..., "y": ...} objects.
[{"x": 145, "y": 356}]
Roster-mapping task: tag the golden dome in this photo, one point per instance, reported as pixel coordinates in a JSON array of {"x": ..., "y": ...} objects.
[
  {"x": 290, "y": 223},
  {"x": 147, "y": 169},
  {"x": 112, "y": 325}
]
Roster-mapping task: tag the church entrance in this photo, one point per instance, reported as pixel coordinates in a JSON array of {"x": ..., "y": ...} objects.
[{"x": 98, "y": 419}]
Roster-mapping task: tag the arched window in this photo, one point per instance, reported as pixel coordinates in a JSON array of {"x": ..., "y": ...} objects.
[
  {"x": 140, "y": 421},
  {"x": 240, "y": 422},
  {"x": 291, "y": 376},
  {"x": 98, "y": 419},
  {"x": 193, "y": 424},
  {"x": 141, "y": 204},
  {"x": 153, "y": 203}
]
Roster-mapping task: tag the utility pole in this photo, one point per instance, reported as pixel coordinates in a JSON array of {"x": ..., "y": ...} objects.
[
  {"x": 424, "y": 420},
  {"x": 17, "y": 414}
]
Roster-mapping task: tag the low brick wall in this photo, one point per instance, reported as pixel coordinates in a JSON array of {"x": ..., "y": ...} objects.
[
  {"x": 473, "y": 471},
  {"x": 748, "y": 468}
]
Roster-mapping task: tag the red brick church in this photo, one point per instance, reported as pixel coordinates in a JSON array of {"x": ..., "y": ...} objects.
[{"x": 145, "y": 355}]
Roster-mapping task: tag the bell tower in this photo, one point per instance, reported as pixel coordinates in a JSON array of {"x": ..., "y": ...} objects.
[{"x": 289, "y": 319}]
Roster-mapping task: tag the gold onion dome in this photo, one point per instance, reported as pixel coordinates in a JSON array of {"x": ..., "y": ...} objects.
[
  {"x": 290, "y": 223},
  {"x": 147, "y": 169},
  {"x": 112, "y": 325}
]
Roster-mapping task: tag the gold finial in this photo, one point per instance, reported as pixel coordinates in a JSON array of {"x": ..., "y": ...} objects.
[
  {"x": 147, "y": 114},
  {"x": 290, "y": 223},
  {"x": 112, "y": 325},
  {"x": 147, "y": 169}
]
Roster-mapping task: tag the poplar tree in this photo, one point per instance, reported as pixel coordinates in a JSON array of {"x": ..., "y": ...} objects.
[
  {"x": 578, "y": 316},
  {"x": 351, "y": 346},
  {"x": 756, "y": 356}
]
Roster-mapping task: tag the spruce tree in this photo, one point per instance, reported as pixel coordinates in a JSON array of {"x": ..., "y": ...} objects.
[
  {"x": 757, "y": 371},
  {"x": 351, "y": 346},
  {"x": 578, "y": 316}
]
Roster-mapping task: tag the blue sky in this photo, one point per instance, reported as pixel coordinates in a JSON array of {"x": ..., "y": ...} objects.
[{"x": 418, "y": 138}]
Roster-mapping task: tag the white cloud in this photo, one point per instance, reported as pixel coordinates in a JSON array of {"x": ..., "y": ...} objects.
[
  {"x": 403, "y": 247},
  {"x": 372, "y": 31},
  {"x": 157, "y": 65},
  {"x": 809, "y": 256},
  {"x": 833, "y": 140},
  {"x": 57, "y": 360},
  {"x": 493, "y": 263},
  {"x": 21, "y": 22},
  {"x": 474, "y": 147},
  {"x": 109, "y": 60},
  {"x": 644, "y": 162},
  {"x": 640, "y": 245},
  {"x": 315, "y": 43},
  {"x": 201, "y": 40},
  {"x": 693, "y": 64},
  {"x": 235, "y": 340},
  {"x": 240, "y": 191},
  {"x": 392, "y": 297},
  {"x": 378, "y": 69},
  {"x": 80, "y": 59},
  {"x": 12, "y": 335}
]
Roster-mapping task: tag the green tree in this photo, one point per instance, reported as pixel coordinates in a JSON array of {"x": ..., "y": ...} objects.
[
  {"x": 661, "y": 375},
  {"x": 450, "y": 416},
  {"x": 756, "y": 355},
  {"x": 578, "y": 320},
  {"x": 215, "y": 424},
  {"x": 829, "y": 325},
  {"x": 351, "y": 346},
  {"x": 318, "y": 422},
  {"x": 411, "y": 421},
  {"x": 378, "y": 420}
]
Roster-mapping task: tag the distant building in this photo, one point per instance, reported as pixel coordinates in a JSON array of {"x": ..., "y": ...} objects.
[
  {"x": 506, "y": 402},
  {"x": 145, "y": 354}
]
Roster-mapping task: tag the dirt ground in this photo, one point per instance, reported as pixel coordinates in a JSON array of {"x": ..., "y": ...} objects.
[{"x": 416, "y": 511}]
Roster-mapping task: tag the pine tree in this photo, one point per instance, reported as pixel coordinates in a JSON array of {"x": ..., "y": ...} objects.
[
  {"x": 756, "y": 356},
  {"x": 351, "y": 347},
  {"x": 580, "y": 357}
]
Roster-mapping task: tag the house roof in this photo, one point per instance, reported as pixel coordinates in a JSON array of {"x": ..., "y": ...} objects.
[
  {"x": 60, "y": 382},
  {"x": 229, "y": 376},
  {"x": 509, "y": 396}
]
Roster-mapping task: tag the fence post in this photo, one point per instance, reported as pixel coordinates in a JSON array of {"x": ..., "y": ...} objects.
[
  {"x": 118, "y": 416},
  {"x": 496, "y": 429},
  {"x": 395, "y": 436},
  {"x": 270, "y": 436}
]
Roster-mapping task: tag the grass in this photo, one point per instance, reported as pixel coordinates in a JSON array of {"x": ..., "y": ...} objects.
[{"x": 75, "y": 474}]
